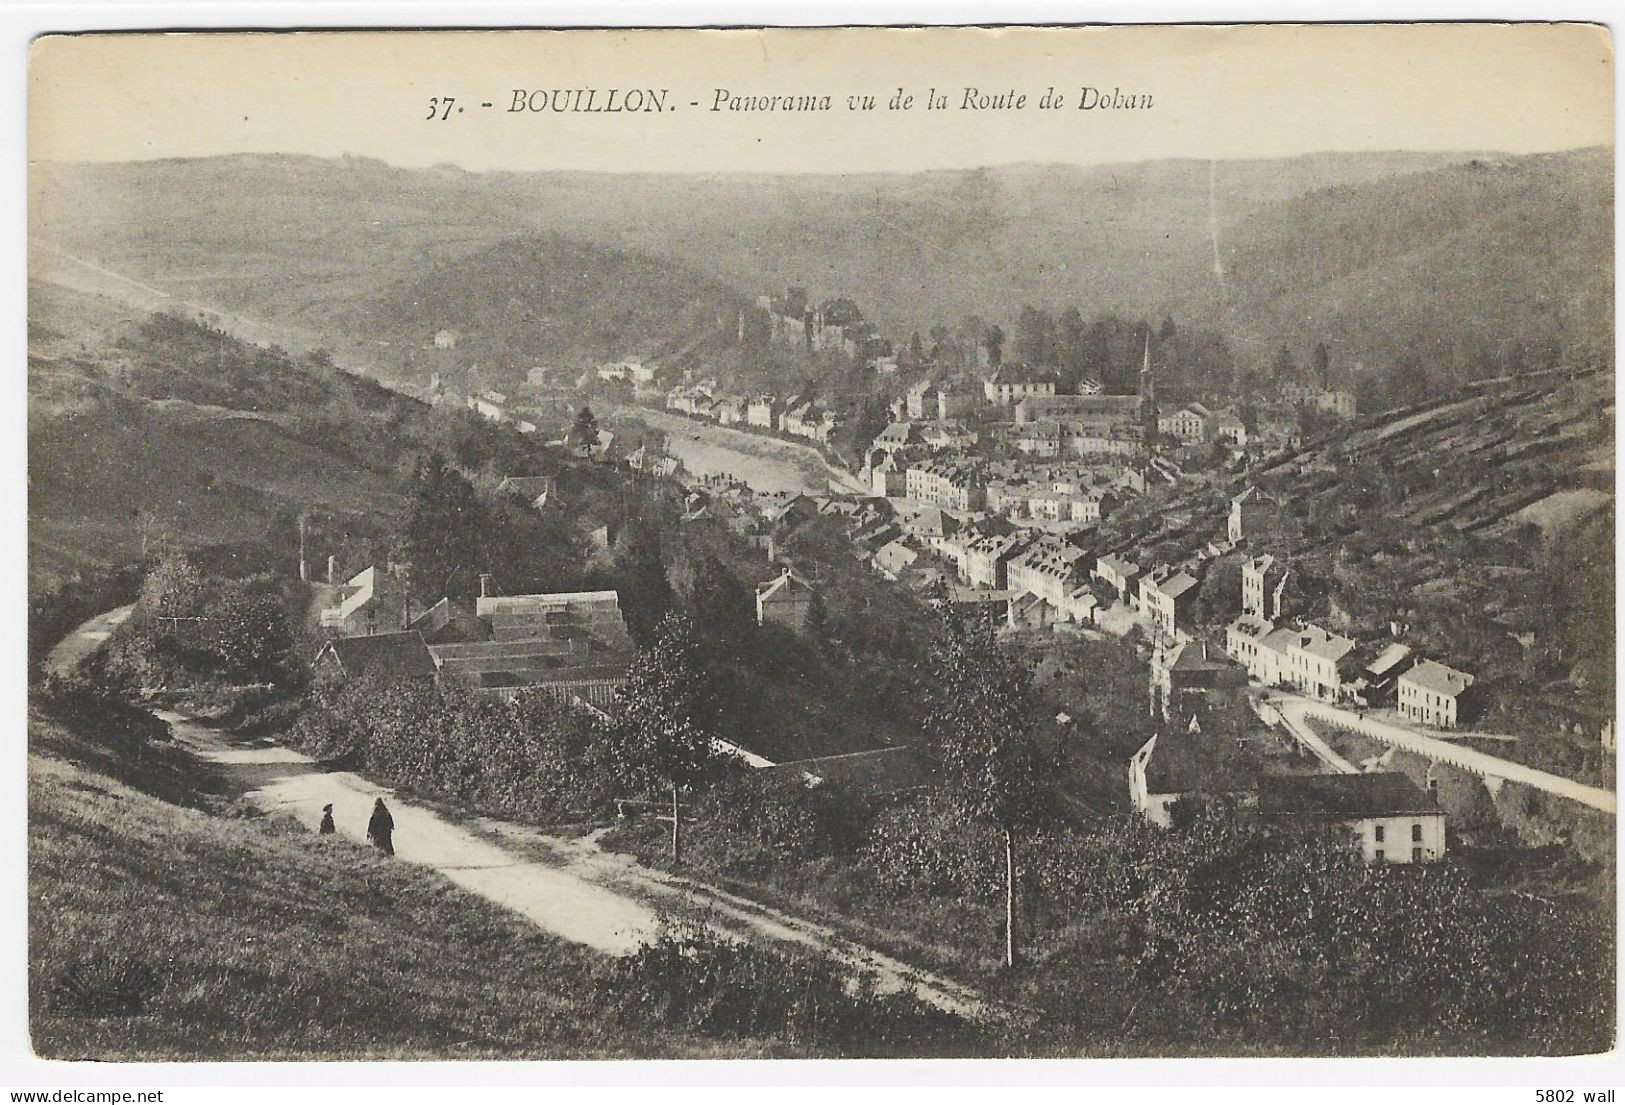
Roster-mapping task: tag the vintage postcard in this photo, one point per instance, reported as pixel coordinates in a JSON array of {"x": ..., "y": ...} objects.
[{"x": 810, "y": 543}]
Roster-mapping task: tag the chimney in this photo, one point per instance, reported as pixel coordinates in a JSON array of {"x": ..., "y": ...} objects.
[
  {"x": 485, "y": 585},
  {"x": 331, "y": 567}
]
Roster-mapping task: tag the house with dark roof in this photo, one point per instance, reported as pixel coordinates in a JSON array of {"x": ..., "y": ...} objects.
[
  {"x": 1391, "y": 819},
  {"x": 1174, "y": 767},
  {"x": 1190, "y": 679},
  {"x": 535, "y": 490},
  {"x": 784, "y": 601},
  {"x": 1168, "y": 599},
  {"x": 382, "y": 655}
]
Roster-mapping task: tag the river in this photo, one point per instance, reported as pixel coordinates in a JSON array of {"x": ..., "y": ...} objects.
[{"x": 766, "y": 464}]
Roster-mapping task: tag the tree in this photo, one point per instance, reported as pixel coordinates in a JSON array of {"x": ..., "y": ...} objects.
[
  {"x": 818, "y": 627},
  {"x": 916, "y": 349},
  {"x": 1284, "y": 369},
  {"x": 172, "y": 589},
  {"x": 445, "y": 537},
  {"x": 980, "y": 721},
  {"x": 993, "y": 340},
  {"x": 249, "y": 635},
  {"x": 1219, "y": 600},
  {"x": 585, "y": 431},
  {"x": 1322, "y": 363},
  {"x": 669, "y": 711},
  {"x": 1070, "y": 342},
  {"x": 640, "y": 576},
  {"x": 724, "y": 610},
  {"x": 1035, "y": 337}
]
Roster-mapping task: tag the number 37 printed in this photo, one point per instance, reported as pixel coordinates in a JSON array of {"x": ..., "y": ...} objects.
[{"x": 440, "y": 107}]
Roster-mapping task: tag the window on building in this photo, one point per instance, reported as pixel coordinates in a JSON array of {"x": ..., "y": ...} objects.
[
  {"x": 1416, "y": 855},
  {"x": 1376, "y": 834},
  {"x": 1377, "y": 854},
  {"x": 1416, "y": 831}
]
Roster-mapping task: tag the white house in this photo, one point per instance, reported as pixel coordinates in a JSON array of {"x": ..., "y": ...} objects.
[
  {"x": 1430, "y": 693},
  {"x": 1318, "y": 661},
  {"x": 1388, "y": 817}
]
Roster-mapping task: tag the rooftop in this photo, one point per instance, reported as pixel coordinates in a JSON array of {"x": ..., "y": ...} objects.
[
  {"x": 384, "y": 654},
  {"x": 1324, "y": 643},
  {"x": 1251, "y": 625},
  {"x": 1388, "y": 659},
  {"x": 1340, "y": 797},
  {"x": 1176, "y": 585},
  {"x": 1433, "y": 676}
]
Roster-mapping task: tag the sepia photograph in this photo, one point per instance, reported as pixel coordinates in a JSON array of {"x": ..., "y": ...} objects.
[{"x": 1041, "y": 542}]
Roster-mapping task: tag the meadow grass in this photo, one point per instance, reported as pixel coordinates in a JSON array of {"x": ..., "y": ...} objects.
[{"x": 262, "y": 941}]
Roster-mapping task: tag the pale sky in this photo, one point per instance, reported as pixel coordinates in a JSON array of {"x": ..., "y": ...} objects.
[{"x": 1216, "y": 92}]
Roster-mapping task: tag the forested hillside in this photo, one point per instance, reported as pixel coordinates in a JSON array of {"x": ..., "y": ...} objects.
[
  {"x": 1442, "y": 264},
  {"x": 1455, "y": 274},
  {"x": 543, "y": 300}
]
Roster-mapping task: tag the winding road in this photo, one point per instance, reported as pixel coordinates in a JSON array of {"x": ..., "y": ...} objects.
[
  {"x": 1468, "y": 759},
  {"x": 568, "y": 886}
]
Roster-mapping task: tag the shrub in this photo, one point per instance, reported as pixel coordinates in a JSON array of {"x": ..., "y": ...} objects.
[
  {"x": 534, "y": 758},
  {"x": 92, "y": 698},
  {"x": 104, "y": 985},
  {"x": 721, "y": 988}
]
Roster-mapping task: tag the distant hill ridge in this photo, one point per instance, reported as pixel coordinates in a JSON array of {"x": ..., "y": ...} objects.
[{"x": 1384, "y": 256}]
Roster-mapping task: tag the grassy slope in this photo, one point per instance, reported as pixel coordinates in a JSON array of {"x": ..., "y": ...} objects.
[
  {"x": 271, "y": 943},
  {"x": 206, "y": 449}
]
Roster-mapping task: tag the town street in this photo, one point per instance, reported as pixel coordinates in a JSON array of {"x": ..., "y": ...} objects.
[
  {"x": 1290, "y": 712},
  {"x": 1468, "y": 759}
]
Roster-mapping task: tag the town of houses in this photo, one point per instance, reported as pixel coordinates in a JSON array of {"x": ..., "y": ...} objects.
[{"x": 991, "y": 498}]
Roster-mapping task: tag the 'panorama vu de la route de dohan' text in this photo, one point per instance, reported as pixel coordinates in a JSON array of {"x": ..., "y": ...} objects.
[{"x": 964, "y": 98}]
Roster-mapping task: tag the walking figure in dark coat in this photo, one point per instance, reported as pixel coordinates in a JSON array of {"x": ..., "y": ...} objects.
[
  {"x": 381, "y": 828},
  {"x": 327, "y": 820}
]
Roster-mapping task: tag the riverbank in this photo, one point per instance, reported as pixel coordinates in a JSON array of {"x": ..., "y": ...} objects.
[{"x": 767, "y": 464}]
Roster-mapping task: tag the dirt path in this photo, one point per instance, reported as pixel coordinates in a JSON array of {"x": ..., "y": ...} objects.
[
  {"x": 570, "y": 887},
  {"x": 83, "y": 641},
  {"x": 280, "y": 780},
  {"x": 1293, "y": 714}
]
